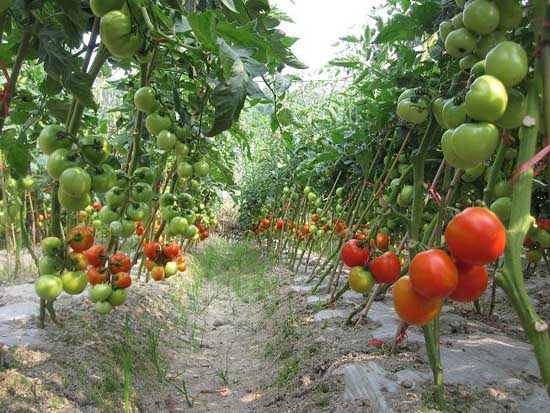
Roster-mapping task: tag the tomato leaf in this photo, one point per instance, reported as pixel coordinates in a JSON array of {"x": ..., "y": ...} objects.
[{"x": 204, "y": 28}]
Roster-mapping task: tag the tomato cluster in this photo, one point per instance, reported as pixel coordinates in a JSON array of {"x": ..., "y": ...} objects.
[
  {"x": 163, "y": 261},
  {"x": 475, "y": 237}
]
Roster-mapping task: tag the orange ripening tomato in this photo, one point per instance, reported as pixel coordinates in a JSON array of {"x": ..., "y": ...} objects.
[
  {"x": 433, "y": 274},
  {"x": 412, "y": 307},
  {"x": 157, "y": 272},
  {"x": 386, "y": 268},
  {"x": 96, "y": 205},
  {"x": 314, "y": 218},
  {"x": 181, "y": 266},
  {"x": 82, "y": 216},
  {"x": 266, "y": 222},
  {"x": 476, "y": 236},
  {"x": 122, "y": 280},
  {"x": 382, "y": 241},
  {"x": 171, "y": 251},
  {"x": 77, "y": 261},
  {"x": 361, "y": 236},
  {"x": 472, "y": 282},
  {"x": 149, "y": 264},
  {"x": 80, "y": 238}
]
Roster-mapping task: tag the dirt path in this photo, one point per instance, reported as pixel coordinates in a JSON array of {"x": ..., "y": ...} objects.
[{"x": 235, "y": 334}]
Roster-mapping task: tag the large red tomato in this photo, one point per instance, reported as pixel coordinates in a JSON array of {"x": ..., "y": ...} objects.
[
  {"x": 476, "y": 236},
  {"x": 96, "y": 255},
  {"x": 412, "y": 307},
  {"x": 97, "y": 275},
  {"x": 119, "y": 262},
  {"x": 171, "y": 251},
  {"x": 386, "y": 268},
  {"x": 80, "y": 238},
  {"x": 152, "y": 250},
  {"x": 433, "y": 274},
  {"x": 354, "y": 254},
  {"x": 472, "y": 282},
  {"x": 122, "y": 280}
]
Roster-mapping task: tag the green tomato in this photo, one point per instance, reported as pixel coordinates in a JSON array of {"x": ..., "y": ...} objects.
[
  {"x": 311, "y": 197},
  {"x": 145, "y": 99},
  {"x": 460, "y": 42},
  {"x": 141, "y": 192},
  {"x": 170, "y": 268},
  {"x": 103, "y": 307},
  {"x": 178, "y": 225},
  {"x": 453, "y": 115},
  {"x": 201, "y": 168},
  {"x": 191, "y": 231},
  {"x": 437, "y": 110},
  {"x": 115, "y": 29},
  {"x": 478, "y": 69},
  {"x": 407, "y": 194},
  {"x": 184, "y": 169},
  {"x": 166, "y": 140},
  {"x": 167, "y": 199},
  {"x": 541, "y": 237},
  {"x": 486, "y": 43},
  {"x": 487, "y": 99},
  {"x": 510, "y": 153},
  {"x": 116, "y": 229},
  {"x": 53, "y": 137},
  {"x": 74, "y": 282},
  {"x": 457, "y": 22},
  {"x": 511, "y": 14},
  {"x": 155, "y": 123},
  {"x": 460, "y": 3},
  {"x": 136, "y": 211},
  {"x": 515, "y": 112},
  {"x": 52, "y": 246},
  {"x": 58, "y": 161},
  {"x": 50, "y": 265},
  {"x": 108, "y": 215},
  {"x": 170, "y": 212},
  {"x": 75, "y": 182},
  {"x": 508, "y": 62},
  {"x": 449, "y": 153},
  {"x": 481, "y": 16},
  {"x": 95, "y": 149},
  {"x": 102, "y": 7},
  {"x": 181, "y": 149},
  {"x": 96, "y": 223},
  {"x": 73, "y": 203},
  {"x": 144, "y": 174},
  {"x": 503, "y": 189},
  {"x": 467, "y": 62},
  {"x": 445, "y": 27},
  {"x": 118, "y": 297},
  {"x": 128, "y": 228},
  {"x": 116, "y": 197},
  {"x": 122, "y": 179},
  {"x": 502, "y": 208},
  {"x": 103, "y": 178},
  {"x": 475, "y": 142},
  {"x": 471, "y": 174},
  {"x": 186, "y": 200},
  {"x": 189, "y": 215},
  {"x": 48, "y": 287},
  {"x": 413, "y": 110},
  {"x": 27, "y": 183},
  {"x": 340, "y": 191}
]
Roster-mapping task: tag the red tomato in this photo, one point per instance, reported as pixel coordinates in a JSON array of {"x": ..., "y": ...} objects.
[
  {"x": 80, "y": 238},
  {"x": 152, "y": 250},
  {"x": 96, "y": 205},
  {"x": 354, "y": 254},
  {"x": 433, "y": 274},
  {"x": 280, "y": 224},
  {"x": 339, "y": 226},
  {"x": 201, "y": 228},
  {"x": 306, "y": 229},
  {"x": 181, "y": 266},
  {"x": 266, "y": 222},
  {"x": 140, "y": 230},
  {"x": 476, "y": 236},
  {"x": 157, "y": 272},
  {"x": 472, "y": 282},
  {"x": 386, "y": 268},
  {"x": 543, "y": 223},
  {"x": 171, "y": 251},
  {"x": 96, "y": 255},
  {"x": 122, "y": 280},
  {"x": 361, "y": 236},
  {"x": 412, "y": 307},
  {"x": 97, "y": 275},
  {"x": 382, "y": 241},
  {"x": 120, "y": 262},
  {"x": 204, "y": 235}
]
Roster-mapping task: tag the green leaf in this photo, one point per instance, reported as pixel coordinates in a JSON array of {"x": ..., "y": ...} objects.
[
  {"x": 204, "y": 28},
  {"x": 285, "y": 117},
  {"x": 80, "y": 85}
]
